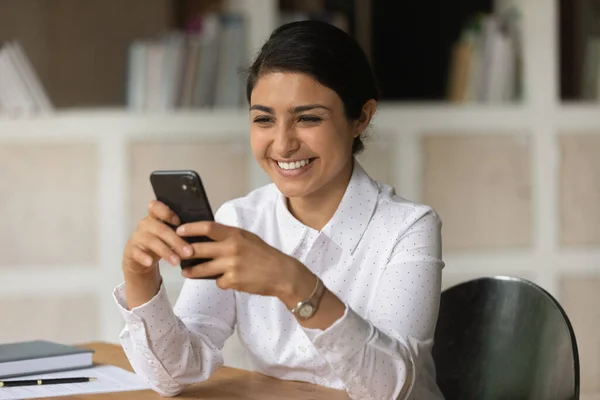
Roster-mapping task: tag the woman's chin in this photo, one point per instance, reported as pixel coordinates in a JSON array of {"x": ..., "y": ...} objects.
[
  {"x": 290, "y": 192},
  {"x": 292, "y": 189}
]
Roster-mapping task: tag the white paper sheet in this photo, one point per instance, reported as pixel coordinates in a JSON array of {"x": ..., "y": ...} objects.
[{"x": 110, "y": 379}]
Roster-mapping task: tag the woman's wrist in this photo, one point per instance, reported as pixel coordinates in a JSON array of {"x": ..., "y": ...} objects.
[
  {"x": 141, "y": 288},
  {"x": 297, "y": 285}
]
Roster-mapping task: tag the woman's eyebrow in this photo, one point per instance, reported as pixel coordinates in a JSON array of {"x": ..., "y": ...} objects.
[
  {"x": 292, "y": 110},
  {"x": 262, "y": 108},
  {"x": 307, "y": 107}
]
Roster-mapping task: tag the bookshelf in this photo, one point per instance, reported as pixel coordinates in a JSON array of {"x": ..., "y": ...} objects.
[
  {"x": 145, "y": 60},
  {"x": 542, "y": 120}
]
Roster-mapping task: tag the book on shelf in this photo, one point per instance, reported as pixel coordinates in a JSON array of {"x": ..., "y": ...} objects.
[
  {"x": 21, "y": 91},
  {"x": 579, "y": 49},
  {"x": 486, "y": 62},
  {"x": 40, "y": 356},
  {"x": 588, "y": 36},
  {"x": 197, "y": 68},
  {"x": 590, "y": 77}
]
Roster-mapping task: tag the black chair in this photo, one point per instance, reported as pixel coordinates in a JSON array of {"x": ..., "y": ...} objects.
[{"x": 504, "y": 338}]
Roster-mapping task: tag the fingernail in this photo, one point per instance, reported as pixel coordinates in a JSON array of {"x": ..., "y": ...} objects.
[
  {"x": 147, "y": 261},
  {"x": 187, "y": 250},
  {"x": 175, "y": 221},
  {"x": 181, "y": 229},
  {"x": 174, "y": 260}
]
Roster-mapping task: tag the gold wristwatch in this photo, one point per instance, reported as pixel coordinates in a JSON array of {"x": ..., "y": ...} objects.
[{"x": 308, "y": 307}]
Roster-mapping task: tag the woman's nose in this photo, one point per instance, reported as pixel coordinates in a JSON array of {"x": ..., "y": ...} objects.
[{"x": 285, "y": 142}]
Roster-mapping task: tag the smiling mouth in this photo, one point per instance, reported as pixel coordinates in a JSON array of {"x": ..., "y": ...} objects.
[{"x": 294, "y": 164}]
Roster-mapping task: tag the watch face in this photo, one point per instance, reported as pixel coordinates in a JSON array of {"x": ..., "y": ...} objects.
[{"x": 306, "y": 311}]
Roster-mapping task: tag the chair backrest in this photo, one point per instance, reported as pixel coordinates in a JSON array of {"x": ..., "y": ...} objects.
[{"x": 504, "y": 338}]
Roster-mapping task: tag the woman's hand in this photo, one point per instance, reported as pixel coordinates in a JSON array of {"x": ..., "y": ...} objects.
[
  {"x": 154, "y": 239},
  {"x": 247, "y": 263}
]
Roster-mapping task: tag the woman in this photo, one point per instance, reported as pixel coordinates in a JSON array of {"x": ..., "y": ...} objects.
[{"x": 329, "y": 276}]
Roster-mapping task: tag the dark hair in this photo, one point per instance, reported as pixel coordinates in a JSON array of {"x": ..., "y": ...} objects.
[{"x": 327, "y": 54}]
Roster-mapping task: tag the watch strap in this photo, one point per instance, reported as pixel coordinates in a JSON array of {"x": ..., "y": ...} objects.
[{"x": 314, "y": 299}]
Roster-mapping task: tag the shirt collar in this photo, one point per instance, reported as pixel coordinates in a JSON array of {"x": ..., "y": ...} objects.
[
  {"x": 349, "y": 221},
  {"x": 292, "y": 230},
  {"x": 352, "y": 216}
]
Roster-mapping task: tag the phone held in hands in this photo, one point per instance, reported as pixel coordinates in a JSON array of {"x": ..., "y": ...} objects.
[{"x": 182, "y": 191}]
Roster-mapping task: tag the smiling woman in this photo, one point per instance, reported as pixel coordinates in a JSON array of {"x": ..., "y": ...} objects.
[
  {"x": 328, "y": 276},
  {"x": 302, "y": 137}
]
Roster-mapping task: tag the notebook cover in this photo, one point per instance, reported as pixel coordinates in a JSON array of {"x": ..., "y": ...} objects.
[{"x": 36, "y": 349}]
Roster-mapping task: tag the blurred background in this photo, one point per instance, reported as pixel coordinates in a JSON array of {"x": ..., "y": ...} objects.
[{"x": 489, "y": 113}]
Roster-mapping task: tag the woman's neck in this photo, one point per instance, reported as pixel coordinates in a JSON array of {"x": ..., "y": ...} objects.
[{"x": 316, "y": 209}]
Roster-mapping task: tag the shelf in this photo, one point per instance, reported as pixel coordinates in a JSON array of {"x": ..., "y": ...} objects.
[
  {"x": 577, "y": 117},
  {"x": 88, "y": 124},
  {"x": 72, "y": 279},
  {"x": 391, "y": 118},
  {"x": 445, "y": 116}
]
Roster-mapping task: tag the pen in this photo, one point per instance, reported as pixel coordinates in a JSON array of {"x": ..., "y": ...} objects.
[{"x": 36, "y": 382}]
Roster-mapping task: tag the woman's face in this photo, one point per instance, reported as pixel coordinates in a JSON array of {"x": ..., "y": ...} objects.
[{"x": 299, "y": 134}]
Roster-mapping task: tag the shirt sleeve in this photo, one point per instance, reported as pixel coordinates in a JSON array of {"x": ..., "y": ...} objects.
[
  {"x": 380, "y": 357},
  {"x": 175, "y": 347}
]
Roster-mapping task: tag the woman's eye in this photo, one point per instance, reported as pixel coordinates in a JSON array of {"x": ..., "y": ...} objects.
[
  {"x": 262, "y": 120},
  {"x": 309, "y": 119}
]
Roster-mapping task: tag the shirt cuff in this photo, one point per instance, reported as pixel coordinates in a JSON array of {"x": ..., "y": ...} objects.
[
  {"x": 342, "y": 340},
  {"x": 152, "y": 319}
]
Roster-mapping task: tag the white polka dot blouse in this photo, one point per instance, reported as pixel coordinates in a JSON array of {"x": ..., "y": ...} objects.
[{"x": 379, "y": 253}]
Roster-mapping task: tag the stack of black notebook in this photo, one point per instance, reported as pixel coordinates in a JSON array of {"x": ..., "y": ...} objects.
[{"x": 26, "y": 358}]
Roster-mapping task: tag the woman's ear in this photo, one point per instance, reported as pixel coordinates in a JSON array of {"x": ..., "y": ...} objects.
[{"x": 367, "y": 112}]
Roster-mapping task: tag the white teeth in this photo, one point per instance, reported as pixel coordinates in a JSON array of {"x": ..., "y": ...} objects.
[{"x": 293, "y": 165}]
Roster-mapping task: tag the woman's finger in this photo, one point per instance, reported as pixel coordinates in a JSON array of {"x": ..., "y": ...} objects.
[
  {"x": 162, "y": 212},
  {"x": 213, "y": 230},
  {"x": 154, "y": 244},
  {"x": 212, "y": 250},
  {"x": 142, "y": 257},
  {"x": 169, "y": 237},
  {"x": 207, "y": 269}
]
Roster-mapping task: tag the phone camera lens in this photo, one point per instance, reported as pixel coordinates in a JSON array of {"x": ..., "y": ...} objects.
[{"x": 188, "y": 184}]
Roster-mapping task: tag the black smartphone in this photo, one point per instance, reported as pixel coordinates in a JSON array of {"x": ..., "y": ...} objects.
[{"x": 182, "y": 191}]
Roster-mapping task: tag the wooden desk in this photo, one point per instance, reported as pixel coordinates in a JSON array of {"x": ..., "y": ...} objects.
[{"x": 226, "y": 383}]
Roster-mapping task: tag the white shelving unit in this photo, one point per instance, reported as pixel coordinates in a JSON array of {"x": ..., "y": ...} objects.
[{"x": 541, "y": 117}]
